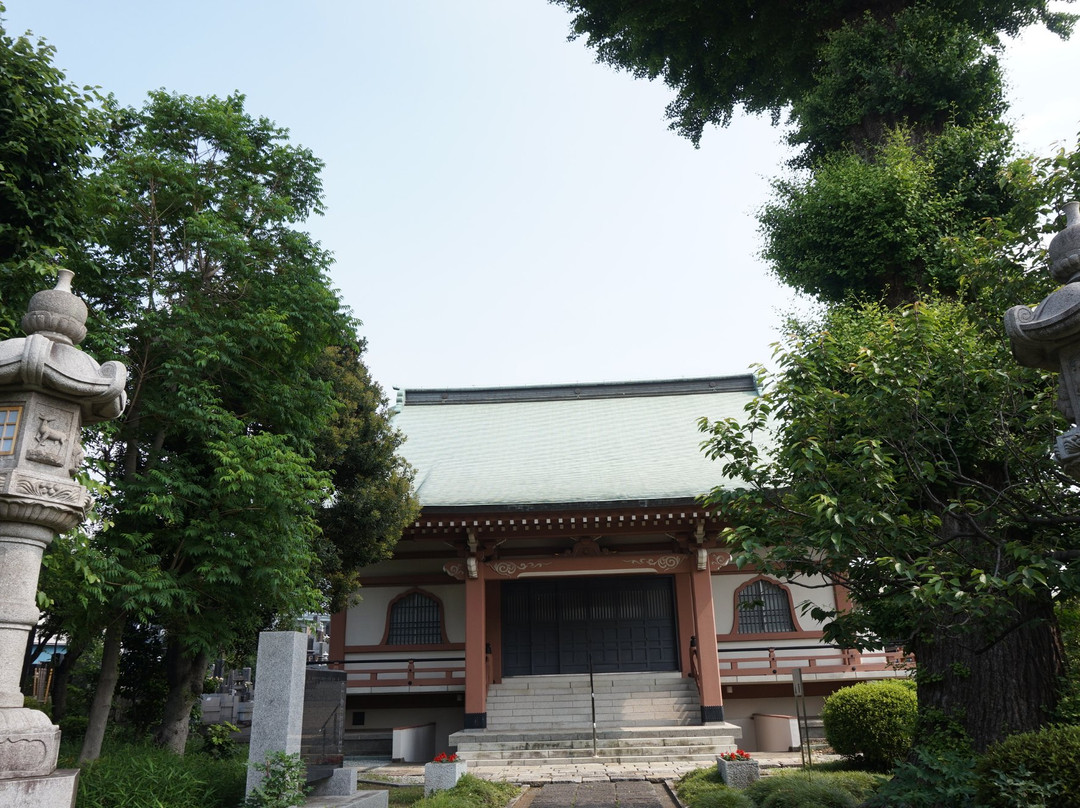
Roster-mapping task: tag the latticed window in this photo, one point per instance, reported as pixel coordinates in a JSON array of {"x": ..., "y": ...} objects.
[
  {"x": 9, "y": 425},
  {"x": 415, "y": 620},
  {"x": 764, "y": 609}
]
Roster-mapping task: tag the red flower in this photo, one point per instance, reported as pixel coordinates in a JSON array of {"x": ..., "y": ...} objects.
[
  {"x": 738, "y": 754},
  {"x": 442, "y": 757}
]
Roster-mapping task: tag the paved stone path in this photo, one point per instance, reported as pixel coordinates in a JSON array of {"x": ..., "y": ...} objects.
[
  {"x": 622, "y": 794},
  {"x": 580, "y": 785}
]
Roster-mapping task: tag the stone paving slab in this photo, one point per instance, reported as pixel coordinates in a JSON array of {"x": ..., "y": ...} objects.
[
  {"x": 569, "y": 773},
  {"x": 640, "y": 794}
]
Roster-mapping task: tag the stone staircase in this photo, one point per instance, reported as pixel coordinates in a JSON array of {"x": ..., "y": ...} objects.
[
  {"x": 622, "y": 699},
  {"x": 816, "y": 730},
  {"x": 547, "y": 721}
]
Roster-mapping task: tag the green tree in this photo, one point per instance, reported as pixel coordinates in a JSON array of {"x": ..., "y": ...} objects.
[
  {"x": 221, "y": 308},
  {"x": 905, "y": 192},
  {"x": 910, "y": 467},
  {"x": 774, "y": 55},
  {"x": 373, "y": 498},
  {"x": 47, "y": 130}
]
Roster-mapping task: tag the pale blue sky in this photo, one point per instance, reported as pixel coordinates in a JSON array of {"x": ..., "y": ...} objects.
[{"x": 503, "y": 210}]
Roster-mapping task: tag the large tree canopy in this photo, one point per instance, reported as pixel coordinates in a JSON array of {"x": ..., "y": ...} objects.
[
  {"x": 256, "y": 463},
  {"x": 248, "y": 397},
  {"x": 765, "y": 56}
]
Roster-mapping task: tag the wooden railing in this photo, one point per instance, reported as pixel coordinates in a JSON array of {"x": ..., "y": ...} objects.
[
  {"x": 425, "y": 672},
  {"x": 812, "y": 659},
  {"x": 733, "y": 661}
]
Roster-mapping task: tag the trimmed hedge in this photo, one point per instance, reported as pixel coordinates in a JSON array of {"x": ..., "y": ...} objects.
[
  {"x": 1032, "y": 768},
  {"x": 874, "y": 720}
]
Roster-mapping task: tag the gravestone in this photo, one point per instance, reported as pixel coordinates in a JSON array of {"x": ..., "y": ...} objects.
[
  {"x": 322, "y": 744},
  {"x": 278, "y": 714}
]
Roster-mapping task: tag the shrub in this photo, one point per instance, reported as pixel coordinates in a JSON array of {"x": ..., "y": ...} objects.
[
  {"x": 41, "y": 706},
  {"x": 73, "y": 727},
  {"x": 874, "y": 720},
  {"x": 941, "y": 776},
  {"x": 284, "y": 782},
  {"x": 1032, "y": 769},
  {"x": 218, "y": 739}
]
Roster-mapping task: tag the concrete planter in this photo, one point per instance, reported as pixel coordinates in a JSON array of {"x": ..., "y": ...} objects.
[
  {"x": 441, "y": 776},
  {"x": 738, "y": 773}
]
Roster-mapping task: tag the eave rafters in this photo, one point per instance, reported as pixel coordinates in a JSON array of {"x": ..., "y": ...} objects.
[{"x": 607, "y": 522}]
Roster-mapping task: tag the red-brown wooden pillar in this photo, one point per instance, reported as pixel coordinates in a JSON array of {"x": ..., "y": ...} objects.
[
  {"x": 475, "y": 653},
  {"x": 337, "y": 639},
  {"x": 712, "y": 702},
  {"x": 684, "y": 600}
]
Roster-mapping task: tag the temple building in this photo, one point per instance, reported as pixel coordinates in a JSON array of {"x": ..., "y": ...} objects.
[{"x": 563, "y": 561}]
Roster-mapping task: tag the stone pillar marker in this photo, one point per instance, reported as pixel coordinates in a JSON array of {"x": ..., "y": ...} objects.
[
  {"x": 49, "y": 389},
  {"x": 277, "y": 721},
  {"x": 1048, "y": 336}
]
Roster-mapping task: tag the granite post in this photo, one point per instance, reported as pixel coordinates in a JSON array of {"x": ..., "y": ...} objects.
[
  {"x": 1048, "y": 335},
  {"x": 277, "y": 720},
  {"x": 48, "y": 390}
]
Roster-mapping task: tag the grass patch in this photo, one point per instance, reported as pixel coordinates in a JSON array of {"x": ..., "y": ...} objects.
[
  {"x": 703, "y": 788},
  {"x": 405, "y": 795},
  {"x": 140, "y": 775},
  {"x": 471, "y": 792},
  {"x": 790, "y": 788}
]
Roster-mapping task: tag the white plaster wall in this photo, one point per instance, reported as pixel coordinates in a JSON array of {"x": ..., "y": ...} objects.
[
  {"x": 447, "y": 720},
  {"x": 812, "y": 589},
  {"x": 741, "y": 713},
  {"x": 366, "y": 621}
]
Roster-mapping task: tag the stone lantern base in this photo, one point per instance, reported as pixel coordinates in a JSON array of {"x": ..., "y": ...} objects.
[
  {"x": 29, "y": 745},
  {"x": 55, "y": 790}
]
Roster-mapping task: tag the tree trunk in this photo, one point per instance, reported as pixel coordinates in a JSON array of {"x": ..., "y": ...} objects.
[
  {"x": 61, "y": 675},
  {"x": 186, "y": 675},
  {"x": 991, "y": 682},
  {"x": 103, "y": 695},
  {"x": 26, "y": 680}
]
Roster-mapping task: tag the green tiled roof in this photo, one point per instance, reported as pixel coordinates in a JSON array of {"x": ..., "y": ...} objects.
[{"x": 632, "y": 442}]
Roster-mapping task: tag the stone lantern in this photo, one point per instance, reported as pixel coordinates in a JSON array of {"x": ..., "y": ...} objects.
[
  {"x": 1048, "y": 336},
  {"x": 48, "y": 390}
]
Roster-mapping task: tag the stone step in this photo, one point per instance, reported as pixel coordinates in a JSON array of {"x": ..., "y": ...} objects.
[
  {"x": 575, "y": 683},
  {"x": 604, "y": 752},
  {"x": 632, "y": 734},
  {"x": 618, "y": 744},
  {"x": 553, "y": 702},
  {"x": 628, "y": 744},
  {"x": 539, "y": 724},
  {"x": 535, "y": 762}
]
